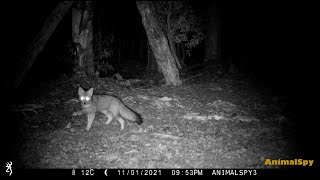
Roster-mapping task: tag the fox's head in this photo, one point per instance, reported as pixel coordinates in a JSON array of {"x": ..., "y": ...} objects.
[{"x": 85, "y": 96}]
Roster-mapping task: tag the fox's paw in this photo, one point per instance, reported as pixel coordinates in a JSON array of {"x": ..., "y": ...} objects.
[{"x": 75, "y": 114}]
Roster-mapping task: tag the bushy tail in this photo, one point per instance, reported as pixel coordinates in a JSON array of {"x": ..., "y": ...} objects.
[{"x": 129, "y": 114}]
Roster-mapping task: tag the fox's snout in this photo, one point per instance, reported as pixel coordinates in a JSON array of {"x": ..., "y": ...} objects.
[{"x": 84, "y": 102}]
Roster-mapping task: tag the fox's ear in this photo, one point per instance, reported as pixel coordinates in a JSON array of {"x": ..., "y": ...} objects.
[
  {"x": 80, "y": 91},
  {"x": 90, "y": 91}
]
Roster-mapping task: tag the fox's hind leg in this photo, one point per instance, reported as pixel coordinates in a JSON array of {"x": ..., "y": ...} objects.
[
  {"x": 121, "y": 121},
  {"x": 108, "y": 116}
]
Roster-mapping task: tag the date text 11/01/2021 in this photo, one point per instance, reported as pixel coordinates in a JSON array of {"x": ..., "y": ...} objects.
[
  {"x": 137, "y": 172},
  {"x": 159, "y": 172}
]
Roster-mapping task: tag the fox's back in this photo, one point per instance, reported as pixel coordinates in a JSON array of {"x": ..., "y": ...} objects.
[{"x": 105, "y": 102}]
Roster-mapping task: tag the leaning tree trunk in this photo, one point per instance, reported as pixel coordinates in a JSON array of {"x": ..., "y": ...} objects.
[
  {"x": 170, "y": 38},
  {"x": 40, "y": 40},
  {"x": 159, "y": 44},
  {"x": 82, "y": 32}
]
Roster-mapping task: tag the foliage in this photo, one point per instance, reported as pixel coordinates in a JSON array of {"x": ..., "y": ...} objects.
[{"x": 180, "y": 23}]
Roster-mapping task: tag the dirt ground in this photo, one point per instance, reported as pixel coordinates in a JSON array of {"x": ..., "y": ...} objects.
[{"x": 205, "y": 123}]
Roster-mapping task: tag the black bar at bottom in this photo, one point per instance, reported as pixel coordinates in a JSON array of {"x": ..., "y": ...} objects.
[{"x": 305, "y": 171}]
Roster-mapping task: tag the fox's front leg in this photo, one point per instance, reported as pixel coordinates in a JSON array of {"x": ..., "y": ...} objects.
[{"x": 90, "y": 120}]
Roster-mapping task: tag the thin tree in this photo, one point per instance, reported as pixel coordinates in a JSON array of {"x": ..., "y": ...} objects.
[{"x": 40, "y": 40}]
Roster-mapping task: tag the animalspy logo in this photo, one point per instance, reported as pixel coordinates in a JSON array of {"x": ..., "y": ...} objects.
[{"x": 286, "y": 162}]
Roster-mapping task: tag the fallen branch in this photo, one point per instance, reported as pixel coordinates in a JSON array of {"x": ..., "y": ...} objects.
[{"x": 166, "y": 136}]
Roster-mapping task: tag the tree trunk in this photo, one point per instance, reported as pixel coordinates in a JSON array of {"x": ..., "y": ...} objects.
[
  {"x": 83, "y": 36},
  {"x": 40, "y": 40},
  {"x": 173, "y": 51},
  {"x": 142, "y": 48},
  {"x": 181, "y": 56},
  {"x": 133, "y": 48},
  {"x": 212, "y": 49},
  {"x": 152, "y": 63},
  {"x": 88, "y": 29},
  {"x": 119, "y": 50},
  {"x": 159, "y": 44},
  {"x": 181, "y": 53},
  {"x": 76, "y": 19}
]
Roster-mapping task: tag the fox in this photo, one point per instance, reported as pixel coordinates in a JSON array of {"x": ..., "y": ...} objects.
[{"x": 110, "y": 106}]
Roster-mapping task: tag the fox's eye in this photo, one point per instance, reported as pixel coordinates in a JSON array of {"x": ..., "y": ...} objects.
[
  {"x": 87, "y": 98},
  {"x": 81, "y": 98}
]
